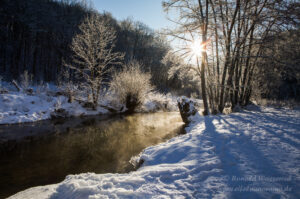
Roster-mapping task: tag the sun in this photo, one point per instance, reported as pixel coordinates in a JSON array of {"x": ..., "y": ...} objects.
[{"x": 197, "y": 48}]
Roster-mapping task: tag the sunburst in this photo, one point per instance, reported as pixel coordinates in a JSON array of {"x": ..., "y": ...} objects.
[{"x": 197, "y": 48}]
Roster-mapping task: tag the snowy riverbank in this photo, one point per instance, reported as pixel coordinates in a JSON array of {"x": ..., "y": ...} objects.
[
  {"x": 251, "y": 154},
  {"x": 19, "y": 107}
]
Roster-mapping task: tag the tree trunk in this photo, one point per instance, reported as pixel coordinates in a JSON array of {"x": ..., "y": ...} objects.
[{"x": 203, "y": 88}]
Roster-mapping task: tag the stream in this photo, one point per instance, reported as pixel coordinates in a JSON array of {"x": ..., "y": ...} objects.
[{"x": 45, "y": 152}]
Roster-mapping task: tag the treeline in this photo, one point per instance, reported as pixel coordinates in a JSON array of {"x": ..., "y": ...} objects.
[{"x": 36, "y": 35}]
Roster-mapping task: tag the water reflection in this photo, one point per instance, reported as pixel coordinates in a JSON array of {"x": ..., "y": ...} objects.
[{"x": 84, "y": 145}]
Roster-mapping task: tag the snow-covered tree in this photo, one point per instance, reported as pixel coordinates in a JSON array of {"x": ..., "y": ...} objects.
[
  {"x": 131, "y": 85},
  {"x": 93, "y": 54}
]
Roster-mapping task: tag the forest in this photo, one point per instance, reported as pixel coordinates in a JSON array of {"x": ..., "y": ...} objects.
[{"x": 36, "y": 38}]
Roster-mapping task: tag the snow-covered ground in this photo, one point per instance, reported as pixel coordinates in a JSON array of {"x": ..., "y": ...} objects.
[
  {"x": 18, "y": 107},
  {"x": 251, "y": 154}
]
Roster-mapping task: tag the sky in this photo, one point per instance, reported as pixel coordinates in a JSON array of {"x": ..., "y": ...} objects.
[{"x": 150, "y": 12}]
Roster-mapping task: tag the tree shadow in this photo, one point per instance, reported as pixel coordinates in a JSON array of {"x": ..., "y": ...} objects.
[
  {"x": 242, "y": 159},
  {"x": 276, "y": 124}
]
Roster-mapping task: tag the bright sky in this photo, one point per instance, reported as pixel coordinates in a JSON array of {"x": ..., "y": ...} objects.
[{"x": 150, "y": 12}]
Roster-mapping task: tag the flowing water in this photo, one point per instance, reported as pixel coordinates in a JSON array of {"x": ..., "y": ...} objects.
[{"x": 46, "y": 152}]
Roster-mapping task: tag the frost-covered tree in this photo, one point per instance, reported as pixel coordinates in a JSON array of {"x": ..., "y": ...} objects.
[
  {"x": 26, "y": 80},
  {"x": 131, "y": 85},
  {"x": 93, "y": 54}
]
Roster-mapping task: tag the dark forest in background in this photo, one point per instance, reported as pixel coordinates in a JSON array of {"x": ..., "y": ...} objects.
[{"x": 35, "y": 35}]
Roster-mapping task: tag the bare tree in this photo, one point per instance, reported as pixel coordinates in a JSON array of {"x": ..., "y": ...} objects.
[
  {"x": 93, "y": 54},
  {"x": 193, "y": 20}
]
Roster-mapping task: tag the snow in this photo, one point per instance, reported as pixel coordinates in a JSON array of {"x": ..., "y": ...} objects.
[
  {"x": 18, "y": 107},
  {"x": 157, "y": 101},
  {"x": 251, "y": 154}
]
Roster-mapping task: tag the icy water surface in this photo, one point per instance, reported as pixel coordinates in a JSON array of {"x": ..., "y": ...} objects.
[{"x": 45, "y": 152}]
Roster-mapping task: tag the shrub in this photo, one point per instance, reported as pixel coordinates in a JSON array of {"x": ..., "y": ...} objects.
[
  {"x": 67, "y": 87},
  {"x": 131, "y": 85},
  {"x": 26, "y": 80}
]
